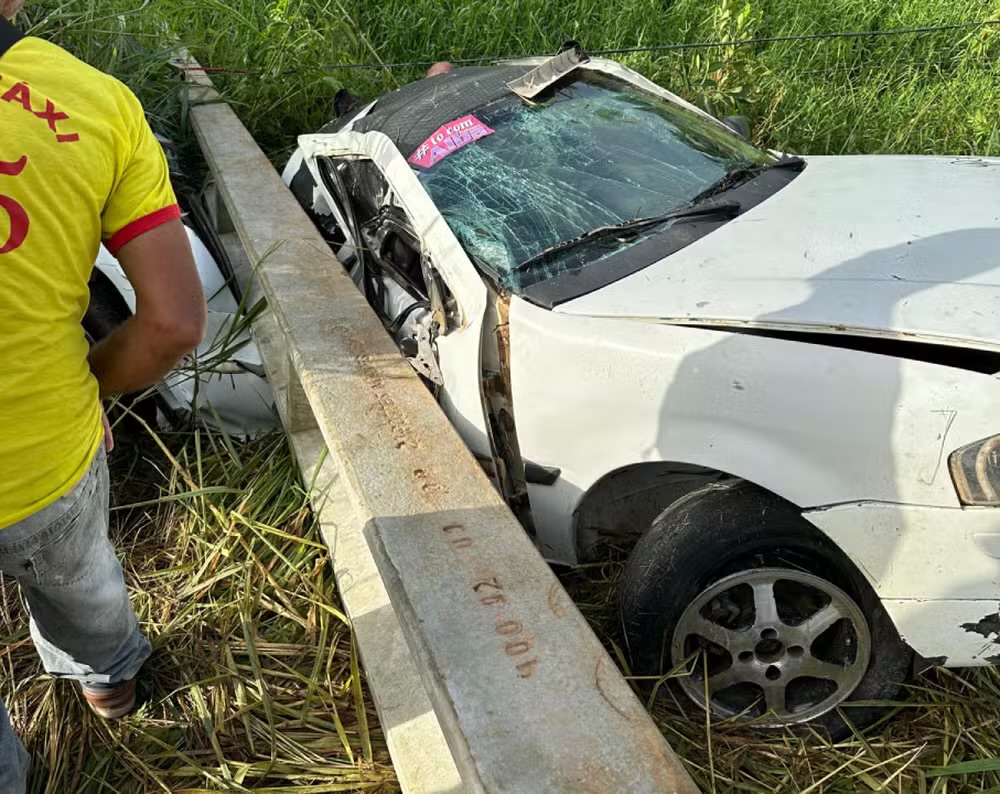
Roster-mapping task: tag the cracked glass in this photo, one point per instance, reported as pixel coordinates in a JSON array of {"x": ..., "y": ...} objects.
[{"x": 599, "y": 152}]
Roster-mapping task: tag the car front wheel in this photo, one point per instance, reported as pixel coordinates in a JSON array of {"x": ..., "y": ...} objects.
[{"x": 771, "y": 622}]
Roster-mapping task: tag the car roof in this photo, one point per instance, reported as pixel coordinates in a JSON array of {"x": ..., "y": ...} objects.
[{"x": 411, "y": 114}]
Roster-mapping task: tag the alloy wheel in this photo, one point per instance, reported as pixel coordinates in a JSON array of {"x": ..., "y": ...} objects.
[{"x": 774, "y": 645}]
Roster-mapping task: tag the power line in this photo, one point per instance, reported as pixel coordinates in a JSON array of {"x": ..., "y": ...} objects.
[
  {"x": 680, "y": 46},
  {"x": 857, "y": 34}
]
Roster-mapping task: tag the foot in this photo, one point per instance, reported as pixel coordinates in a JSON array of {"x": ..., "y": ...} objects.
[{"x": 110, "y": 701}]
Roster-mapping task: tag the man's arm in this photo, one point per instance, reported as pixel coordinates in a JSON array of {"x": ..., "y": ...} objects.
[{"x": 169, "y": 319}]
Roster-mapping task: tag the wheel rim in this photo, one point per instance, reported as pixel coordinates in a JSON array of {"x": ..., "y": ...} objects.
[{"x": 779, "y": 646}]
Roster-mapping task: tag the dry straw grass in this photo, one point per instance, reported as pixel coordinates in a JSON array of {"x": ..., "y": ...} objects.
[
  {"x": 254, "y": 683},
  {"x": 941, "y": 737}
]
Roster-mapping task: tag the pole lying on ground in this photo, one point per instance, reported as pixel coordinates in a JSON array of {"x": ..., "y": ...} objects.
[{"x": 522, "y": 692}]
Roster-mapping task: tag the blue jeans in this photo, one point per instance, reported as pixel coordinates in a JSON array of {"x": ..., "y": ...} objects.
[{"x": 82, "y": 622}]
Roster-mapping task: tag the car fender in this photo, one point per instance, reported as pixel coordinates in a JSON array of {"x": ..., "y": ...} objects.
[
  {"x": 815, "y": 425},
  {"x": 219, "y": 297},
  {"x": 236, "y": 389}
]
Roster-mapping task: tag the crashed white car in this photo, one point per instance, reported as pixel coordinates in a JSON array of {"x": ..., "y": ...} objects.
[
  {"x": 223, "y": 380},
  {"x": 777, "y": 374}
]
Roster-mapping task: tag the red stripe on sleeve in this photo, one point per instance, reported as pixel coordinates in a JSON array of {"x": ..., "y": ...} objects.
[{"x": 142, "y": 225}]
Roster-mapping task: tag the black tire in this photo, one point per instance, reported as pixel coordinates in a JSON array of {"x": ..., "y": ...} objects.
[{"x": 721, "y": 530}]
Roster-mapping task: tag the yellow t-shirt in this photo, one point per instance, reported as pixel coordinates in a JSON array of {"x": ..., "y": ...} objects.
[{"x": 78, "y": 164}]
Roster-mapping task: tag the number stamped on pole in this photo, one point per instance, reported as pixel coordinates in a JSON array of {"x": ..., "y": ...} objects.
[{"x": 517, "y": 642}]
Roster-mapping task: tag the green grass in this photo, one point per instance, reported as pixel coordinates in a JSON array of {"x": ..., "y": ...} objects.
[
  {"x": 228, "y": 634},
  {"x": 915, "y": 94}
]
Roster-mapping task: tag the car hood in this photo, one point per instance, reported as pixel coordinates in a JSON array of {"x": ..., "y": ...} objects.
[{"x": 870, "y": 246}]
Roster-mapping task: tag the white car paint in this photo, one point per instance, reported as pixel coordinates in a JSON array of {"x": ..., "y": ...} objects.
[
  {"x": 649, "y": 369},
  {"x": 788, "y": 416},
  {"x": 232, "y": 394},
  {"x": 869, "y": 244},
  {"x": 818, "y": 426}
]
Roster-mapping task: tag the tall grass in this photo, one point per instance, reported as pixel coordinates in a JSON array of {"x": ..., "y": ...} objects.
[{"x": 922, "y": 94}]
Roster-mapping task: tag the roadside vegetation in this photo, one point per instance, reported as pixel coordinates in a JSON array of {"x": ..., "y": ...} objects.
[
  {"x": 254, "y": 681},
  {"x": 916, "y": 94}
]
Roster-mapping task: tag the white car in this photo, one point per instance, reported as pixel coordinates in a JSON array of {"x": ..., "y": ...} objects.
[
  {"x": 778, "y": 375},
  {"x": 223, "y": 380}
]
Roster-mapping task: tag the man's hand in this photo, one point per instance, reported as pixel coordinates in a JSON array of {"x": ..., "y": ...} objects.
[
  {"x": 169, "y": 319},
  {"x": 109, "y": 438}
]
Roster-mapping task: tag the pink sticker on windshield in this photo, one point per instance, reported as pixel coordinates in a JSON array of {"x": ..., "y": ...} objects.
[{"x": 449, "y": 138}]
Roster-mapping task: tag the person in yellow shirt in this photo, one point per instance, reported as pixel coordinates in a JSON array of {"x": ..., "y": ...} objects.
[{"x": 78, "y": 165}]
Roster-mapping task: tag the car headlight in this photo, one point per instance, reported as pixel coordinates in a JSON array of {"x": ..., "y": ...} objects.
[{"x": 975, "y": 470}]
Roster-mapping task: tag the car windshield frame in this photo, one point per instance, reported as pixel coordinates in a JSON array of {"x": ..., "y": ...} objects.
[{"x": 628, "y": 121}]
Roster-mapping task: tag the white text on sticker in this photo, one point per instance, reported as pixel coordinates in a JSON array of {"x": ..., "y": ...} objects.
[{"x": 447, "y": 139}]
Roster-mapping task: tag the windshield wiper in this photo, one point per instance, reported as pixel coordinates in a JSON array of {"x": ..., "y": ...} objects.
[
  {"x": 743, "y": 173},
  {"x": 724, "y": 211}
]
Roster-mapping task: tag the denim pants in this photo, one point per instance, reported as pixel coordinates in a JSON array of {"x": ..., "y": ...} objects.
[{"x": 82, "y": 622}]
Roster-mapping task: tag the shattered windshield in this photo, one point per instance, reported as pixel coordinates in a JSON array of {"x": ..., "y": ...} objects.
[{"x": 599, "y": 152}]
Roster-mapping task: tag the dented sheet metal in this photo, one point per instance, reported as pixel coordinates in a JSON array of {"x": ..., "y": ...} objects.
[
  {"x": 937, "y": 570},
  {"x": 951, "y": 632},
  {"x": 870, "y": 245},
  {"x": 548, "y": 73},
  {"x": 905, "y": 553}
]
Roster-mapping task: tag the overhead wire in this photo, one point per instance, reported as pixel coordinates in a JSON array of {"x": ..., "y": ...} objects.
[{"x": 651, "y": 48}]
